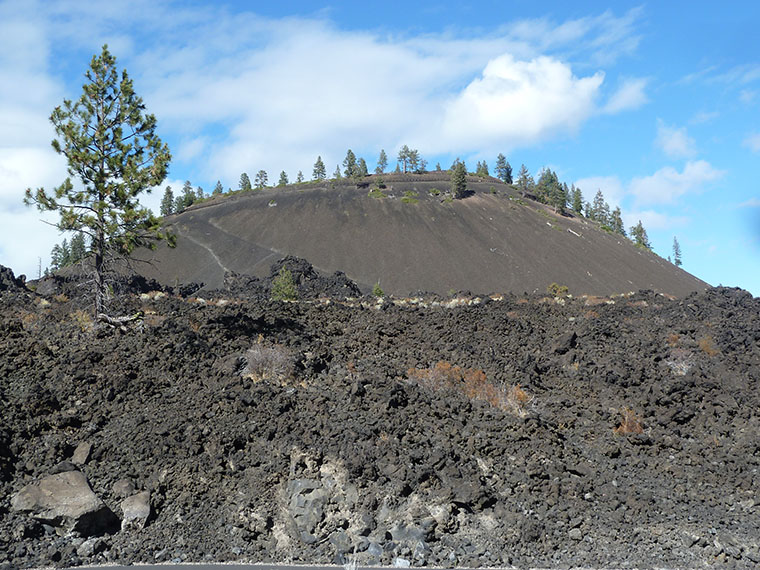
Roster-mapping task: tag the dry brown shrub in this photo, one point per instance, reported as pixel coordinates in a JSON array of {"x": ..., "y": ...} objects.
[
  {"x": 274, "y": 362},
  {"x": 630, "y": 423},
  {"x": 30, "y": 321},
  {"x": 83, "y": 320},
  {"x": 673, "y": 339},
  {"x": 473, "y": 384},
  {"x": 708, "y": 346},
  {"x": 60, "y": 298}
]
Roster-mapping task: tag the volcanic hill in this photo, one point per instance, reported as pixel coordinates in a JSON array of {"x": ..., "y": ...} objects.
[{"x": 405, "y": 233}]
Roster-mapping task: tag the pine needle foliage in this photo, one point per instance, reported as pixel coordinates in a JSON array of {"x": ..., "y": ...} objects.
[{"x": 111, "y": 146}]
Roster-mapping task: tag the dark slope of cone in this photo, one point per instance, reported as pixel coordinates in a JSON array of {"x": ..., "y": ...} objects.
[{"x": 408, "y": 236}]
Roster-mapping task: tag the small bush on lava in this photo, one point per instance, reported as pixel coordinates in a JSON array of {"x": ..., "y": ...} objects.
[
  {"x": 557, "y": 290},
  {"x": 708, "y": 346},
  {"x": 268, "y": 363},
  {"x": 630, "y": 423},
  {"x": 473, "y": 384}
]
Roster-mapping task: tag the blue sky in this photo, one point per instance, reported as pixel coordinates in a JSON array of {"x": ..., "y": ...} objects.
[{"x": 654, "y": 103}]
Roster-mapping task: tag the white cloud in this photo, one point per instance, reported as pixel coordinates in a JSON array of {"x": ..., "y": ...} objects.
[
  {"x": 752, "y": 142},
  {"x": 518, "y": 101},
  {"x": 234, "y": 91},
  {"x": 611, "y": 187},
  {"x": 675, "y": 142},
  {"x": 630, "y": 95},
  {"x": 751, "y": 203},
  {"x": 667, "y": 184},
  {"x": 653, "y": 220}
]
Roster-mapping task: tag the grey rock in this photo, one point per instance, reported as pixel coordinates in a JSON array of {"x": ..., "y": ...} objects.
[
  {"x": 90, "y": 547},
  {"x": 81, "y": 453},
  {"x": 123, "y": 488},
  {"x": 575, "y": 534},
  {"x": 401, "y": 563},
  {"x": 136, "y": 510},
  {"x": 66, "y": 501}
]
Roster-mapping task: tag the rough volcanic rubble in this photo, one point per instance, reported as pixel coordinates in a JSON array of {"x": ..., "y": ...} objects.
[{"x": 328, "y": 430}]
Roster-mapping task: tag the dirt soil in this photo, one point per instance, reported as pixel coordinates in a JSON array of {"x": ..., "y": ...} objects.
[{"x": 527, "y": 431}]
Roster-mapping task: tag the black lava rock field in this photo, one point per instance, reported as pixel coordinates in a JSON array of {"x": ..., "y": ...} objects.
[{"x": 460, "y": 431}]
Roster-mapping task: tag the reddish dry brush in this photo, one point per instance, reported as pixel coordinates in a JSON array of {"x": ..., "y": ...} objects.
[
  {"x": 708, "y": 346},
  {"x": 473, "y": 384},
  {"x": 631, "y": 423}
]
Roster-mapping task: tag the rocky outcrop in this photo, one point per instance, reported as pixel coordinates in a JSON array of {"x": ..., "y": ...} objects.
[{"x": 66, "y": 501}]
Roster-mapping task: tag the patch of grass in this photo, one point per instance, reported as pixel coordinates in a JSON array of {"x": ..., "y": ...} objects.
[
  {"x": 410, "y": 197},
  {"x": 377, "y": 193},
  {"x": 608, "y": 229},
  {"x": 492, "y": 190},
  {"x": 434, "y": 192}
]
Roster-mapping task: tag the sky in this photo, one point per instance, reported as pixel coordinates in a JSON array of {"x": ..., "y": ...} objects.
[{"x": 656, "y": 104}]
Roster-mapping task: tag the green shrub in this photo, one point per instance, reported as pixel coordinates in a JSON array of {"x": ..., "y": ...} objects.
[
  {"x": 377, "y": 291},
  {"x": 557, "y": 290},
  {"x": 410, "y": 197},
  {"x": 284, "y": 286},
  {"x": 376, "y": 193},
  {"x": 435, "y": 192}
]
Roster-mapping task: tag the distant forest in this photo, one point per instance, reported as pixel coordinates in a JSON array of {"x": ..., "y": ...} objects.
[{"x": 548, "y": 189}]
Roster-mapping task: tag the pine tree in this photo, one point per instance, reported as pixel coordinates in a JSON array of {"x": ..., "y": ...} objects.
[
  {"x": 524, "y": 180},
  {"x": 284, "y": 286},
  {"x": 503, "y": 170},
  {"x": 299, "y": 177},
  {"x": 677, "y": 252},
  {"x": 111, "y": 145},
  {"x": 60, "y": 255},
  {"x": 167, "y": 202},
  {"x": 78, "y": 248},
  {"x": 403, "y": 158},
  {"x": 639, "y": 235},
  {"x": 616, "y": 222},
  {"x": 337, "y": 175},
  {"x": 218, "y": 189},
  {"x": 245, "y": 183},
  {"x": 600, "y": 210},
  {"x": 261, "y": 179},
  {"x": 283, "y": 179},
  {"x": 186, "y": 199},
  {"x": 558, "y": 197},
  {"x": 438, "y": 167},
  {"x": 547, "y": 187},
  {"x": 319, "y": 172},
  {"x": 361, "y": 168},
  {"x": 349, "y": 163},
  {"x": 577, "y": 199},
  {"x": 459, "y": 180},
  {"x": 382, "y": 162},
  {"x": 200, "y": 193}
]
